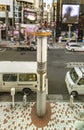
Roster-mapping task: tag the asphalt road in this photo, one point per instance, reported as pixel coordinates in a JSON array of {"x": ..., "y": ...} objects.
[{"x": 57, "y": 59}]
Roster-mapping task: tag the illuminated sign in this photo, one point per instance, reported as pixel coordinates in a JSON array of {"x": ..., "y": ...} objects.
[{"x": 30, "y": 15}]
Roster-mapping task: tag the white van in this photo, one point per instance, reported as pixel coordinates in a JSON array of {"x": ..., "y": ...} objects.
[
  {"x": 19, "y": 75},
  {"x": 75, "y": 81}
]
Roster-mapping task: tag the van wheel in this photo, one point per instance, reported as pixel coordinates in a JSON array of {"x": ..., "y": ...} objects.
[
  {"x": 74, "y": 93},
  {"x": 27, "y": 91}
]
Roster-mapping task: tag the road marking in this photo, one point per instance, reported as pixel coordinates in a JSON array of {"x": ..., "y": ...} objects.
[
  {"x": 55, "y": 97},
  {"x": 2, "y": 49},
  {"x": 74, "y": 64}
]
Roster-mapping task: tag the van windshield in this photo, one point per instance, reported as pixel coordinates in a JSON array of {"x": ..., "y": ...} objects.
[{"x": 73, "y": 75}]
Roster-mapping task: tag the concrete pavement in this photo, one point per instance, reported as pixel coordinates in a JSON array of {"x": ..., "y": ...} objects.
[
  {"x": 54, "y": 45},
  {"x": 10, "y": 44}
]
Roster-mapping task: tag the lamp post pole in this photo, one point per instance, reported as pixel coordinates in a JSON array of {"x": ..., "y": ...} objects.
[
  {"x": 53, "y": 11},
  {"x": 0, "y": 29},
  {"x": 42, "y": 9},
  {"x": 69, "y": 25},
  {"x": 41, "y": 71},
  {"x": 6, "y": 12}
]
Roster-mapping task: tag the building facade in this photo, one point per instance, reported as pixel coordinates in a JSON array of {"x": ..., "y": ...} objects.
[{"x": 20, "y": 12}]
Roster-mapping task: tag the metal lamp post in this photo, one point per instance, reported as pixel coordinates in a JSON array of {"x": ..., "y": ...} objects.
[
  {"x": 0, "y": 29},
  {"x": 41, "y": 71},
  {"x": 70, "y": 25},
  {"x": 1, "y": 25}
]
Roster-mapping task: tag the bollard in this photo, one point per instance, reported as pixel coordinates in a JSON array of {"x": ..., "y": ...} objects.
[
  {"x": 12, "y": 94},
  {"x": 24, "y": 100},
  {"x": 71, "y": 101}
]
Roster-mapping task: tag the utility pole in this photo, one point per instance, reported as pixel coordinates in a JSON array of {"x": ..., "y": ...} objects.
[
  {"x": 6, "y": 12},
  {"x": 0, "y": 29},
  {"x": 42, "y": 9},
  {"x": 22, "y": 17},
  {"x": 53, "y": 11},
  {"x": 13, "y": 19}
]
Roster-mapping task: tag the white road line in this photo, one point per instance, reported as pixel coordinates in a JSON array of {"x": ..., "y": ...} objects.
[
  {"x": 74, "y": 64},
  {"x": 2, "y": 50}
]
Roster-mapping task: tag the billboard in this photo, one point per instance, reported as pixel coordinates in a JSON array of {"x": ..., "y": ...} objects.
[
  {"x": 32, "y": 16},
  {"x": 70, "y": 13}
]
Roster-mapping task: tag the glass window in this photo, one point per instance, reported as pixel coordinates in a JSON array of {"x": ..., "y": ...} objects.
[
  {"x": 9, "y": 77},
  {"x": 81, "y": 81},
  {"x": 27, "y": 77},
  {"x": 73, "y": 75}
]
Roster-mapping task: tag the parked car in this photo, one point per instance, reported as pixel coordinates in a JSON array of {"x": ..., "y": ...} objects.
[
  {"x": 26, "y": 46},
  {"x": 75, "y": 81},
  {"x": 74, "y": 46}
]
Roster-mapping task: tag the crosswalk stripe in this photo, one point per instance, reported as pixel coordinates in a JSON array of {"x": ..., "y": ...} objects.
[{"x": 74, "y": 64}]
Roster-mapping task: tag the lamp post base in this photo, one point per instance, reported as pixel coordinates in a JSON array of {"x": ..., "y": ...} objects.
[{"x": 41, "y": 103}]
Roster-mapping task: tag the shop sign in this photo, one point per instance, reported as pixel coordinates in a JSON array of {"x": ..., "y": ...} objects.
[{"x": 30, "y": 15}]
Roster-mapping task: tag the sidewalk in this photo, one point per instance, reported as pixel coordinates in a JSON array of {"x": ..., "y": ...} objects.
[
  {"x": 11, "y": 44},
  {"x": 59, "y": 116},
  {"x": 4, "y": 43},
  {"x": 55, "y": 45}
]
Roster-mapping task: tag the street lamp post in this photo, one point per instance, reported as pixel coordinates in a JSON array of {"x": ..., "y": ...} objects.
[
  {"x": 0, "y": 29},
  {"x": 0, "y": 34},
  {"x": 6, "y": 12},
  {"x": 41, "y": 71},
  {"x": 70, "y": 25},
  {"x": 53, "y": 11},
  {"x": 42, "y": 9}
]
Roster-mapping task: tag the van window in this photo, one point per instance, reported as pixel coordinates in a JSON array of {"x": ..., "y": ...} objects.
[
  {"x": 27, "y": 77},
  {"x": 73, "y": 75},
  {"x": 9, "y": 77},
  {"x": 81, "y": 81}
]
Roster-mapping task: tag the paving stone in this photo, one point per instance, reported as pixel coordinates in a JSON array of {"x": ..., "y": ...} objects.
[{"x": 19, "y": 118}]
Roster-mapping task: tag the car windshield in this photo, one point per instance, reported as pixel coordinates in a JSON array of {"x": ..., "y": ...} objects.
[{"x": 73, "y": 75}]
